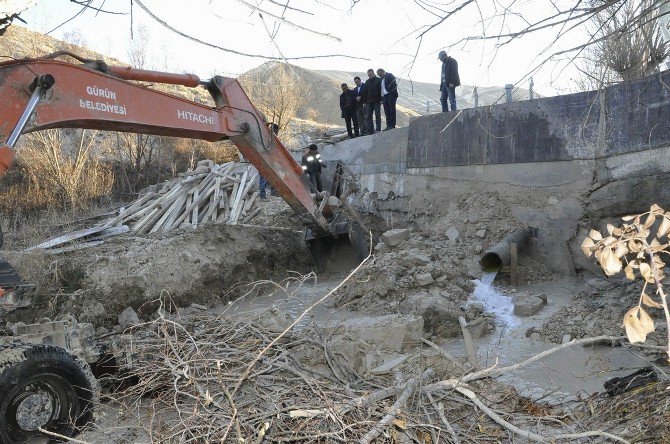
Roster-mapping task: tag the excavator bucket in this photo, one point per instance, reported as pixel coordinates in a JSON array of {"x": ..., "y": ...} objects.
[{"x": 348, "y": 241}]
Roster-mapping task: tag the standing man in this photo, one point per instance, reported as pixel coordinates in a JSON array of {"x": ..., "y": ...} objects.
[
  {"x": 389, "y": 96},
  {"x": 360, "y": 105},
  {"x": 449, "y": 80},
  {"x": 262, "y": 183},
  {"x": 312, "y": 164},
  {"x": 373, "y": 100},
  {"x": 348, "y": 108}
]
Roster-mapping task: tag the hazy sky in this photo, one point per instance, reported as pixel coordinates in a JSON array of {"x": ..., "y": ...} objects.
[{"x": 381, "y": 31}]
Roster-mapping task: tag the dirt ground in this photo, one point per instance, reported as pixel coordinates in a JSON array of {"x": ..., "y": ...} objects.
[
  {"x": 202, "y": 266},
  {"x": 328, "y": 339}
]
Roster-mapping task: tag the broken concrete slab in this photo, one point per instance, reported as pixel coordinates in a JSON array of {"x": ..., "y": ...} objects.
[
  {"x": 391, "y": 332},
  {"x": 526, "y": 305}
]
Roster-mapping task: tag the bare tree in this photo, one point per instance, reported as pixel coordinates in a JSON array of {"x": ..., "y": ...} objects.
[
  {"x": 275, "y": 89},
  {"x": 628, "y": 48},
  {"x": 65, "y": 167}
]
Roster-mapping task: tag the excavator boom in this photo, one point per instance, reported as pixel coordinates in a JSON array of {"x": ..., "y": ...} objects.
[{"x": 45, "y": 93}]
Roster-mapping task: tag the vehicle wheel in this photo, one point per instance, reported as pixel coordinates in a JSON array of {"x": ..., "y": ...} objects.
[{"x": 43, "y": 386}]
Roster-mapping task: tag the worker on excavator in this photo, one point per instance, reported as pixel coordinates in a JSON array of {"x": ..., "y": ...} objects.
[{"x": 312, "y": 164}]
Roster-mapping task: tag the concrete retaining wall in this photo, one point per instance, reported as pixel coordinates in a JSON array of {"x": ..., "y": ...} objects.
[{"x": 562, "y": 163}]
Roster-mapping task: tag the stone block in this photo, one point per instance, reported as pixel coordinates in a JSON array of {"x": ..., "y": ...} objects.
[
  {"x": 128, "y": 318},
  {"x": 424, "y": 279},
  {"x": 395, "y": 237},
  {"x": 452, "y": 234},
  {"x": 527, "y": 305}
]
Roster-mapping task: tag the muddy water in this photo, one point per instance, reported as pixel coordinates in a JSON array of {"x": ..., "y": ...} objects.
[
  {"x": 563, "y": 375},
  {"x": 296, "y": 298}
]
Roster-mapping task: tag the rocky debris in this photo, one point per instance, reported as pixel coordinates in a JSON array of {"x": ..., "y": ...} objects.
[
  {"x": 439, "y": 313},
  {"x": 599, "y": 310},
  {"x": 419, "y": 263},
  {"x": 395, "y": 237},
  {"x": 526, "y": 304},
  {"x": 128, "y": 318},
  {"x": 480, "y": 323},
  {"x": 481, "y": 233}
]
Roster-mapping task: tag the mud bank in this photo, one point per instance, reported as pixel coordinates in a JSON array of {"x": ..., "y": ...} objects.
[{"x": 201, "y": 266}]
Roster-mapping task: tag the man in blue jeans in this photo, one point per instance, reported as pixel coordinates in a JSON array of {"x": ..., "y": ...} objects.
[{"x": 449, "y": 80}]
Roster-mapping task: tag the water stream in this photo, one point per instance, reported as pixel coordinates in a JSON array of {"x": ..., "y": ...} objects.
[
  {"x": 495, "y": 301},
  {"x": 571, "y": 372}
]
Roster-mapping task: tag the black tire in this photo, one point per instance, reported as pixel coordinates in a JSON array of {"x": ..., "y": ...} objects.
[{"x": 56, "y": 384}]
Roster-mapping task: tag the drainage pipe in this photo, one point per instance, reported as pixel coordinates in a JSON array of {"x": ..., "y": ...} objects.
[{"x": 498, "y": 256}]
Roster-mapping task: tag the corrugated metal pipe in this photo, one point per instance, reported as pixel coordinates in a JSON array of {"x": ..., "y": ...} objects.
[{"x": 498, "y": 256}]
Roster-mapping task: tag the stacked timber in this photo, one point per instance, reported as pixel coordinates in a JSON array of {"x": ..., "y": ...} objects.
[{"x": 211, "y": 193}]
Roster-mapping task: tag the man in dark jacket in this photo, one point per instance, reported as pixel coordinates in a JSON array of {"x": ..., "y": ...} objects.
[
  {"x": 389, "y": 89},
  {"x": 373, "y": 100},
  {"x": 348, "y": 108},
  {"x": 312, "y": 164},
  {"x": 449, "y": 80},
  {"x": 361, "y": 107}
]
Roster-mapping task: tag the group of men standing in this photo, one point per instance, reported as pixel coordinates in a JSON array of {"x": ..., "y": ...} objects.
[{"x": 358, "y": 105}]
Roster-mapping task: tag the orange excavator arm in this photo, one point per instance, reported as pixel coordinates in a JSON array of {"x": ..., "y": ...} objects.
[{"x": 46, "y": 93}]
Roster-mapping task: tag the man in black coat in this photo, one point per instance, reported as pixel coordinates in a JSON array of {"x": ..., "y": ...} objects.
[
  {"x": 373, "y": 100},
  {"x": 361, "y": 107},
  {"x": 389, "y": 88},
  {"x": 449, "y": 80},
  {"x": 348, "y": 108}
]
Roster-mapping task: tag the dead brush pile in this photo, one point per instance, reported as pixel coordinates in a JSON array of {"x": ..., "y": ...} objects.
[{"x": 231, "y": 378}]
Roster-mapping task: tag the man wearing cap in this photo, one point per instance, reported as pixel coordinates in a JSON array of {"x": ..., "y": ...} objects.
[
  {"x": 348, "y": 108},
  {"x": 312, "y": 164},
  {"x": 449, "y": 80}
]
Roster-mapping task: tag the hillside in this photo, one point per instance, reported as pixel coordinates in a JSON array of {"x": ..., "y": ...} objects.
[
  {"x": 320, "y": 88},
  {"x": 416, "y": 98}
]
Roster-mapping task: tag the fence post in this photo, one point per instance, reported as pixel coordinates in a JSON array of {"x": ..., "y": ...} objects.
[{"x": 508, "y": 92}]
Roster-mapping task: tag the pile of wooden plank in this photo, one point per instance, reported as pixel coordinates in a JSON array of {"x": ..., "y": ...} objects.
[{"x": 211, "y": 193}]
